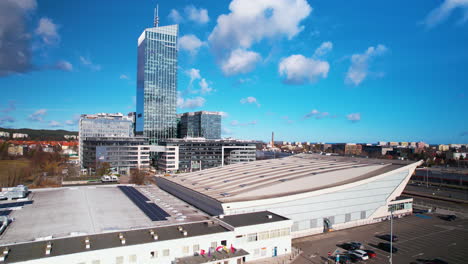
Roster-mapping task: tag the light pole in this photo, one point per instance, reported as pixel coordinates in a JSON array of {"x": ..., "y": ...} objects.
[{"x": 391, "y": 234}]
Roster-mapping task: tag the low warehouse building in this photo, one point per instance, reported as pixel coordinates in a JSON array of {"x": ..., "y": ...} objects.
[{"x": 319, "y": 193}]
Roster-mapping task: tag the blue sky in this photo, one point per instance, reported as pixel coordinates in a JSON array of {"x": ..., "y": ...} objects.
[{"x": 328, "y": 71}]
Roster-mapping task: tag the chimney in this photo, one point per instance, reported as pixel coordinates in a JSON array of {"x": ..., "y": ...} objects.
[
  {"x": 87, "y": 244},
  {"x": 122, "y": 238},
  {"x": 48, "y": 248}
]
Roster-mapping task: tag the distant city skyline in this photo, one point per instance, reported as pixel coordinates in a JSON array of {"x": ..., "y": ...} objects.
[{"x": 307, "y": 70}]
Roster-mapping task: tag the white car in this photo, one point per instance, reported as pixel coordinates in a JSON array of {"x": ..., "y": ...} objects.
[{"x": 361, "y": 254}]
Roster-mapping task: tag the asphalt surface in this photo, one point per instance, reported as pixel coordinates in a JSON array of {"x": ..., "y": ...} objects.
[
  {"x": 420, "y": 237},
  {"x": 438, "y": 191}
]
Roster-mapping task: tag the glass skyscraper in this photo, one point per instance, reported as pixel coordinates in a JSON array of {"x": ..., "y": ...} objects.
[
  {"x": 200, "y": 124},
  {"x": 157, "y": 83}
]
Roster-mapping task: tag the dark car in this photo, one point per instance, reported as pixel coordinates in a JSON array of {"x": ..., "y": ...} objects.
[
  {"x": 387, "y": 237},
  {"x": 370, "y": 253},
  {"x": 351, "y": 246},
  {"x": 387, "y": 247},
  {"x": 448, "y": 217}
]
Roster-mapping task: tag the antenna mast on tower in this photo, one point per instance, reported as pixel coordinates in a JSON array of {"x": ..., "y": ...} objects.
[{"x": 156, "y": 17}]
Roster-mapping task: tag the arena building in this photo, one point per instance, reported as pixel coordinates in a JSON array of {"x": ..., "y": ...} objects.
[{"x": 318, "y": 192}]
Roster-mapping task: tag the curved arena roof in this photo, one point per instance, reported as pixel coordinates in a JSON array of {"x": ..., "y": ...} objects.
[{"x": 280, "y": 177}]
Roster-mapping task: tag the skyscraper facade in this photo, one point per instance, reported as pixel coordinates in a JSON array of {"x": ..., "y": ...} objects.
[
  {"x": 157, "y": 83},
  {"x": 200, "y": 124}
]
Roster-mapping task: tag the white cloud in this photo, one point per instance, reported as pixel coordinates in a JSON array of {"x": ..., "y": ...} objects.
[
  {"x": 73, "y": 121},
  {"x": 324, "y": 48},
  {"x": 237, "y": 123},
  {"x": 359, "y": 68},
  {"x": 11, "y": 107},
  {"x": 251, "y": 21},
  {"x": 198, "y": 15},
  {"x": 190, "y": 43},
  {"x": 64, "y": 66},
  {"x": 226, "y": 131},
  {"x": 47, "y": 30},
  {"x": 240, "y": 61},
  {"x": 250, "y": 100},
  {"x": 124, "y": 77},
  {"x": 194, "y": 74},
  {"x": 190, "y": 103},
  {"x": 317, "y": 114},
  {"x": 38, "y": 116},
  {"x": 354, "y": 117},
  {"x": 298, "y": 69},
  {"x": 444, "y": 10},
  {"x": 54, "y": 123},
  {"x": 88, "y": 63},
  {"x": 175, "y": 16},
  {"x": 204, "y": 86},
  {"x": 6, "y": 119}
]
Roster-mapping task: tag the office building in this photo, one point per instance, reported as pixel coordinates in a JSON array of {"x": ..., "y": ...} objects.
[
  {"x": 157, "y": 83},
  {"x": 200, "y": 124},
  {"x": 318, "y": 192},
  {"x": 123, "y": 153},
  {"x": 20, "y": 135},
  {"x": 193, "y": 154},
  {"x": 4, "y": 134},
  {"x": 101, "y": 125}
]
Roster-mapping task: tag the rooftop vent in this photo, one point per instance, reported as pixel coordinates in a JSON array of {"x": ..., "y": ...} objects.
[
  {"x": 153, "y": 234},
  {"x": 4, "y": 254},
  {"x": 242, "y": 185},
  {"x": 269, "y": 216},
  {"x": 48, "y": 248},
  {"x": 225, "y": 181},
  {"x": 224, "y": 194},
  {"x": 87, "y": 243},
  {"x": 122, "y": 238},
  {"x": 180, "y": 228},
  {"x": 221, "y": 216},
  {"x": 283, "y": 180}
]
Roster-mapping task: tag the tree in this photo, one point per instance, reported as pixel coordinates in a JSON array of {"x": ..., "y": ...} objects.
[
  {"x": 103, "y": 168},
  {"x": 137, "y": 176}
]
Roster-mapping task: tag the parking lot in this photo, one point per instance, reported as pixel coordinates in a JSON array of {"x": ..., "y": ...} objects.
[{"x": 420, "y": 237}]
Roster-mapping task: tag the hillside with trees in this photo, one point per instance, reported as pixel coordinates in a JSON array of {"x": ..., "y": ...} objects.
[{"x": 40, "y": 134}]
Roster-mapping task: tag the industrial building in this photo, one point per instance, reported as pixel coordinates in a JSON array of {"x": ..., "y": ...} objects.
[
  {"x": 200, "y": 124},
  {"x": 194, "y": 154},
  {"x": 317, "y": 192},
  {"x": 92, "y": 231}
]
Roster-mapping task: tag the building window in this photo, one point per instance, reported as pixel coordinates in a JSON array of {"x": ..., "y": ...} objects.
[
  {"x": 347, "y": 217},
  {"x": 185, "y": 249},
  {"x": 313, "y": 223},
  {"x": 196, "y": 248},
  {"x": 263, "y": 252},
  {"x": 119, "y": 260},
  {"x": 286, "y": 231},
  {"x": 263, "y": 235},
  {"x": 252, "y": 237},
  {"x": 132, "y": 259},
  {"x": 363, "y": 214},
  {"x": 214, "y": 245},
  {"x": 274, "y": 233},
  {"x": 295, "y": 226},
  {"x": 166, "y": 252}
]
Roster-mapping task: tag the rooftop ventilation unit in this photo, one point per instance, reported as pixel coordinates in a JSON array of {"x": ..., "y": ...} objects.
[
  {"x": 269, "y": 216},
  {"x": 48, "y": 248},
  {"x": 4, "y": 254},
  {"x": 122, "y": 238},
  {"x": 153, "y": 234},
  {"x": 87, "y": 243}
]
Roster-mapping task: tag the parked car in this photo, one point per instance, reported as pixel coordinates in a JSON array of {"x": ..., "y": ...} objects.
[
  {"x": 387, "y": 247},
  {"x": 370, "y": 253},
  {"x": 351, "y": 246},
  {"x": 360, "y": 254},
  {"x": 448, "y": 217},
  {"x": 387, "y": 237}
]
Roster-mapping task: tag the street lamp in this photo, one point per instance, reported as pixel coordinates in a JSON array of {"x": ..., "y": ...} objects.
[{"x": 391, "y": 234}]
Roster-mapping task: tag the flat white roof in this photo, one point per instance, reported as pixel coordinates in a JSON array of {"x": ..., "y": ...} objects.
[
  {"x": 84, "y": 210},
  {"x": 280, "y": 177}
]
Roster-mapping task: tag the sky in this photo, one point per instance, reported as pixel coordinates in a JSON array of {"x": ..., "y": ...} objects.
[{"x": 317, "y": 71}]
